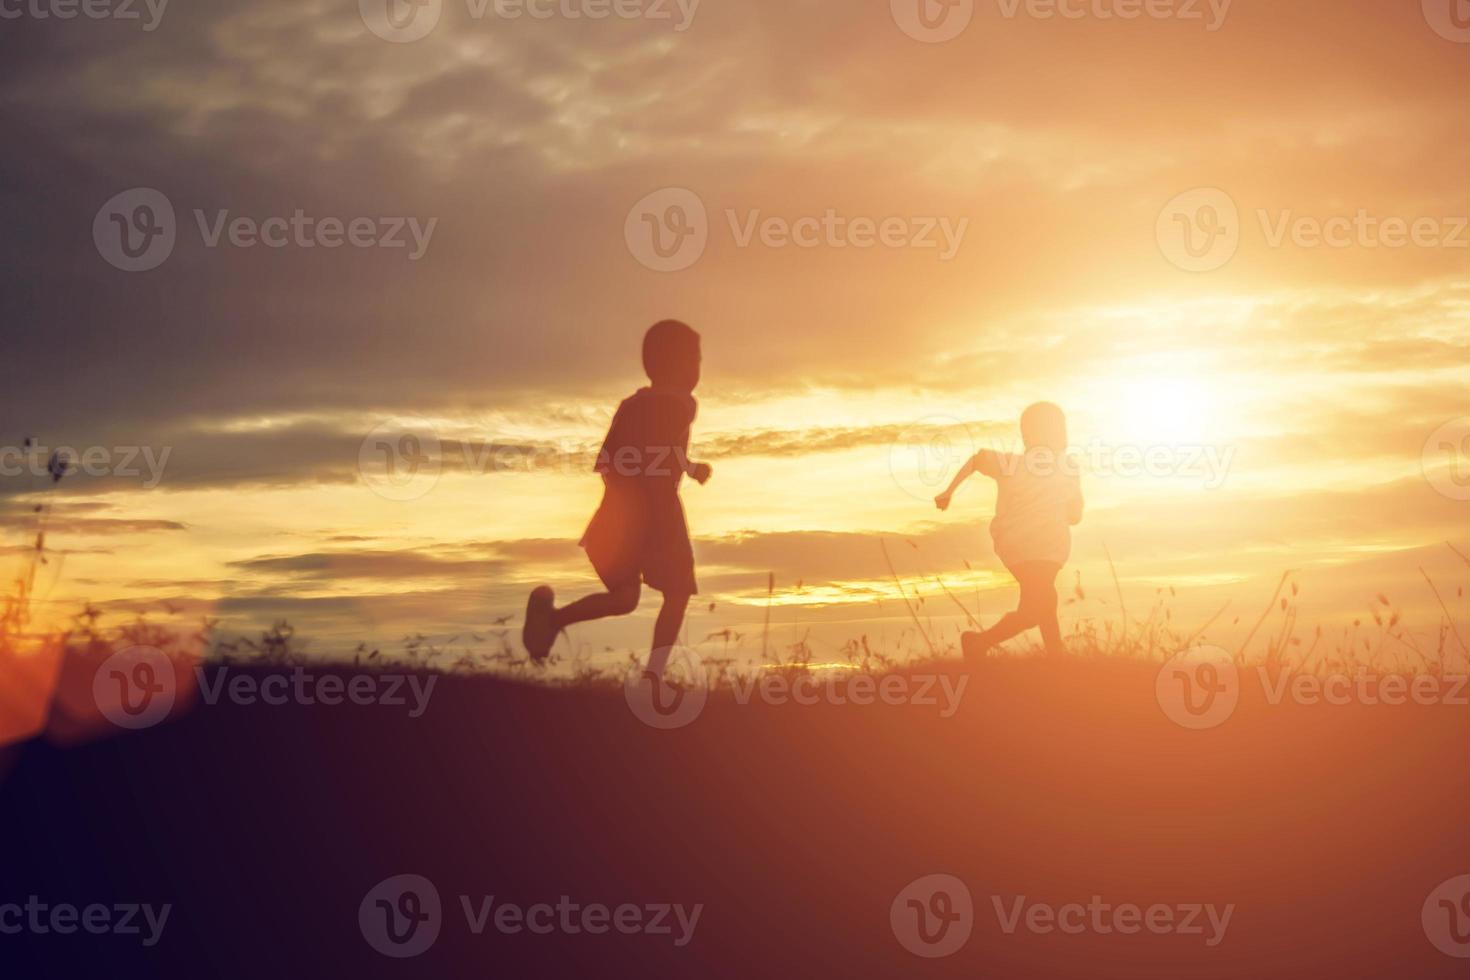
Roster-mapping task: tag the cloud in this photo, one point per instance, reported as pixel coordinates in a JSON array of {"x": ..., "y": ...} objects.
[
  {"x": 345, "y": 565},
  {"x": 529, "y": 140},
  {"x": 61, "y": 520}
]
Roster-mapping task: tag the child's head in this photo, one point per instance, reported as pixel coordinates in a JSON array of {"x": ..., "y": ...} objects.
[
  {"x": 1043, "y": 426},
  {"x": 671, "y": 355}
]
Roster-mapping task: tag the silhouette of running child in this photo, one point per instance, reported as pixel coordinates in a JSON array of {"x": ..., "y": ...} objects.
[
  {"x": 1038, "y": 502},
  {"x": 639, "y": 534}
]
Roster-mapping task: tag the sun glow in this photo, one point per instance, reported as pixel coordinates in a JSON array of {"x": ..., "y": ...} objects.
[
  {"x": 1169, "y": 407},
  {"x": 1171, "y": 411}
]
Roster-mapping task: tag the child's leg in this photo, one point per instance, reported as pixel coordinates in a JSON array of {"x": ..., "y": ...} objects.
[
  {"x": 1051, "y": 634},
  {"x": 1009, "y": 625},
  {"x": 620, "y": 601},
  {"x": 1042, "y": 579},
  {"x": 1037, "y": 606},
  {"x": 666, "y": 630},
  {"x": 544, "y": 622}
]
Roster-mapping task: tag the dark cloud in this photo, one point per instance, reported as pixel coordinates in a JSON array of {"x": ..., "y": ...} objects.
[
  {"x": 344, "y": 565},
  {"x": 529, "y": 140}
]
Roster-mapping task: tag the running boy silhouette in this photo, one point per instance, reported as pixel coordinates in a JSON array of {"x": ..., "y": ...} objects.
[
  {"x": 1038, "y": 503},
  {"x": 639, "y": 535}
]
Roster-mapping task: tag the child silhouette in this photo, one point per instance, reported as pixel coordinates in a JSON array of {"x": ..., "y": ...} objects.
[
  {"x": 1039, "y": 500},
  {"x": 638, "y": 534}
]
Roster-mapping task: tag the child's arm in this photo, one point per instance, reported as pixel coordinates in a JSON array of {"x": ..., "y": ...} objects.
[
  {"x": 698, "y": 472},
  {"x": 982, "y": 462},
  {"x": 1074, "y": 512}
]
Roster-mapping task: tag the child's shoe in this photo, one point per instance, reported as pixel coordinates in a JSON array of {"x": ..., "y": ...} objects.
[{"x": 538, "y": 634}]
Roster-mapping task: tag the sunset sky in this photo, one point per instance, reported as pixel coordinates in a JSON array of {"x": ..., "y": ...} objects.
[{"x": 837, "y": 380}]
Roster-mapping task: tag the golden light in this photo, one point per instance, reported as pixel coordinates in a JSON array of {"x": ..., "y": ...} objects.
[{"x": 1167, "y": 405}]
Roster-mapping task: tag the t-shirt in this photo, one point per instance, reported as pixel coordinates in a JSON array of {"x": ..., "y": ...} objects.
[
  {"x": 1039, "y": 499},
  {"x": 648, "y": 440},
  {"x": 639, "y": 530}
]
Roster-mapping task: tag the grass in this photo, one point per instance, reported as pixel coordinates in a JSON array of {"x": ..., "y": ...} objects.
[
  {"x": 1379, "y": 642},
  {"x": 1100, "y": 630}
]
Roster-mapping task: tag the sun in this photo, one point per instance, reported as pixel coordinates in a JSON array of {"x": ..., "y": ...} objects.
[{"x": 1153, "y": 407}]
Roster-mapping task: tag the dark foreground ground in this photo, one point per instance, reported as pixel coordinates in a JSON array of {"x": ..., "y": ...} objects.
[{"x": 796, "y": 827}]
